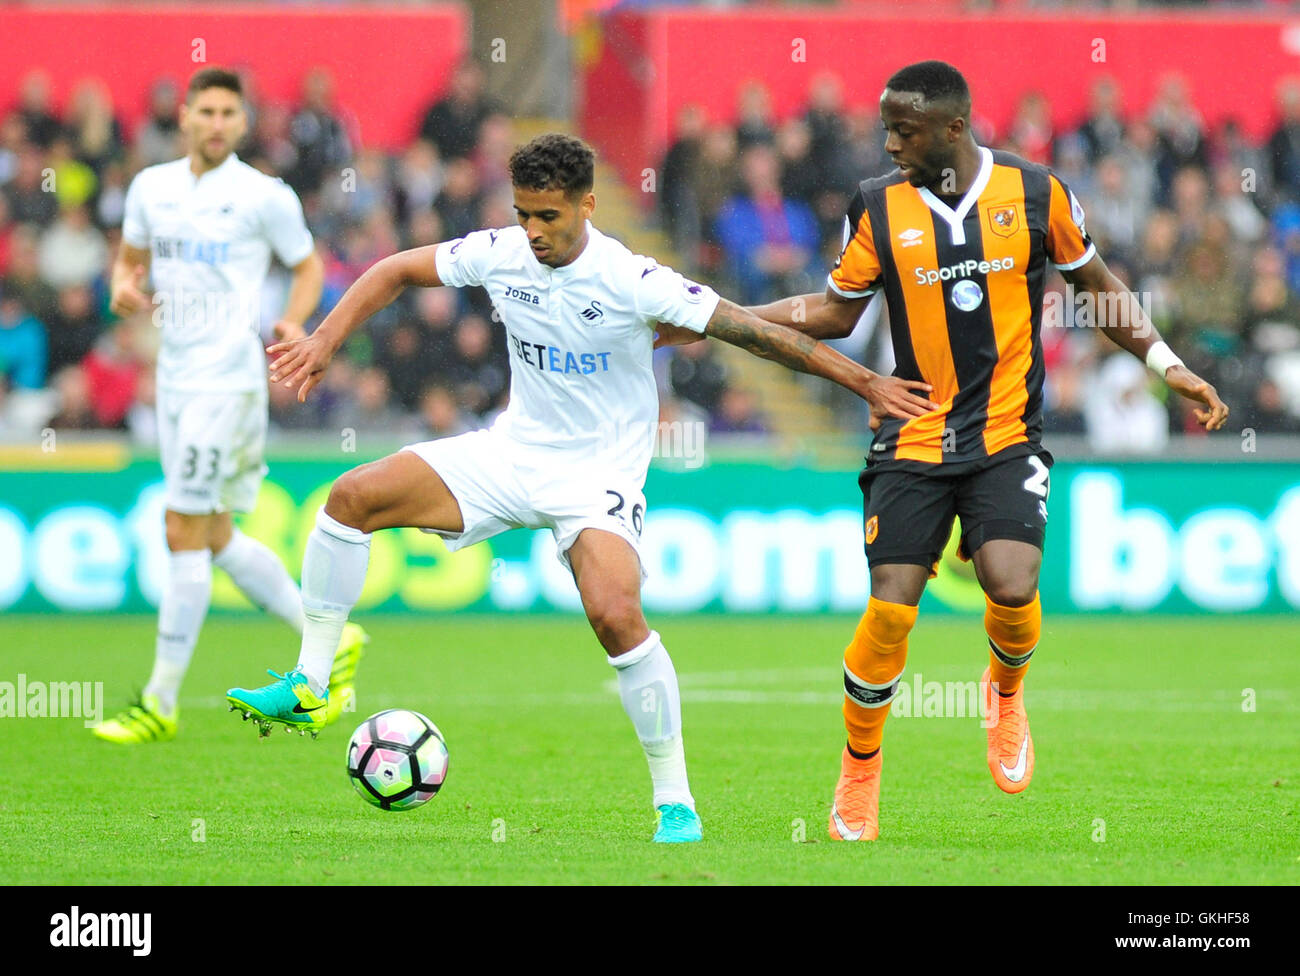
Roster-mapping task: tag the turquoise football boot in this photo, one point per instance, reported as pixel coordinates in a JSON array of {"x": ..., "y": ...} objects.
[
  {"x": 288, "y": 700},
  {"x": 678, "y": 824}
]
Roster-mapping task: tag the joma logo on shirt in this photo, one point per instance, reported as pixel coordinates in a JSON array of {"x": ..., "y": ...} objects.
[{"x": 523, "y": 296}]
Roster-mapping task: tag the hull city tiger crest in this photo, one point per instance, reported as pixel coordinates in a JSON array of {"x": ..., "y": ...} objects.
[{"x": 1004, "y": 221}]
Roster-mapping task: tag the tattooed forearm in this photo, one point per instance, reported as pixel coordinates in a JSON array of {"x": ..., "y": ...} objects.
[{"x": 783, "y": 345}]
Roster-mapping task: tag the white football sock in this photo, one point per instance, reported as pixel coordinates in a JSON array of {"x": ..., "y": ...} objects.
[
  {"x": 333, "y": 573},
  {"x": 647, "y": 684},
  {"x": 258, "y": 572},
  {"x": 181, "y": 610}
]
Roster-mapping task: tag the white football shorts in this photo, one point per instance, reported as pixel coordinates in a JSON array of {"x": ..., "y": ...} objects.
[
  {"x": 212, "y": 447},
  {"x": 501, "y": 484}
]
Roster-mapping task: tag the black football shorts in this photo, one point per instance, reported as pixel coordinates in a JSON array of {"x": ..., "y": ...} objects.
[{"x": 908, "y": 508}]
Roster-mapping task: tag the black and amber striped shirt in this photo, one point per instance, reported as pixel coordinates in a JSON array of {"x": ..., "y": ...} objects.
[{"x": 964, "y": 288}]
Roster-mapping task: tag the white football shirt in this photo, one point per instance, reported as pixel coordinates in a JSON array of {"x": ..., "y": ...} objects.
[
  {"x": 581, "y": 339},
  {"x": 210, "y": 239}
]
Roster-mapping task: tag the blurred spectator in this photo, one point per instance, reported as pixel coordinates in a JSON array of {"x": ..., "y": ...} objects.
[
  {"x": 110, "y": 205},
  {"x": 371, "y": 409},
  {"x": 418, "y": 180},
  {"x": 754, "y": 123},
  {"x": 13, "y": 137},
  {"x": 158, "y": 139},
  {"x": 457, "y": 204},
  {"x": 75, "y": 410},
  {"x": 801, "y": 178},
  {"x": 452, "y": 123},
  {"x": 440, "y": 416},
  {"x": 1030, "y": 134},
  {"x": 23, "y": 277},
  {"x": 737, "y": 414},
  {"x": 287, "y": 414},
  {"x": 1237, "y": 206},
  {"x": 1209, "y": 308},
  {"x": 31, "y": 193},
  {"x": 95, "y": 133},
  {"x": 827, "y": 127},
  {"x": 771, "y": 242},
  {"x": 1116, "y": 213},
  {"x": 72, "y": 328},
  {"x": 491, "y": 157},
  {"x": 678, "y": 208},
  {"x": 322, "y": 143},
  {"x": 697, "y": 375},
  {"x": 1272, "y": 314},
  {"x": 1123, "y": 417},
  {"x": 270, "y": 144},
  {"x": 1180, "y": 132},
  {"x": 22, "y": 345},
  {"x": 72, "y": 251},
  {"x": 366, "y": 190},
  {"x": 112, "y": 369},
  {"x": 1284, "y": 144},
  {"x": 1103, "y": 130},
  {"x": 480, "y": 379},
  {"x": 1267, "y": 411},
  {"x": 34, "y": 108}
]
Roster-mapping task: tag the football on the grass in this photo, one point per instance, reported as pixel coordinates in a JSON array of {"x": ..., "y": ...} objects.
[{"x": 397, "y": 759}]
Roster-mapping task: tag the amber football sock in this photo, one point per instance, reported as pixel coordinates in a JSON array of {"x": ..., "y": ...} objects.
[
  {"x": 873, "y": 663},
  {"x": 1013, "y": 635}
]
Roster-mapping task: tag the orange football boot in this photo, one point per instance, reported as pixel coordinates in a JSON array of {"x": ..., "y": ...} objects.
[
  {"x": 855, "y": 812},
  {"x": 1011, "y": 748}
]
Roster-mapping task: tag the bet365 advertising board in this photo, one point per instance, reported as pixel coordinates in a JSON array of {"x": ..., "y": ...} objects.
[{"x": 1178, "y": 537}]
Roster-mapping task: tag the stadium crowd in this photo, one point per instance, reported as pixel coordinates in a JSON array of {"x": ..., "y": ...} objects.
[
  {"x": 1204, "y": 224},
  {"x": 432, "y": 364},
  {"x": 1201, "y": 222}
]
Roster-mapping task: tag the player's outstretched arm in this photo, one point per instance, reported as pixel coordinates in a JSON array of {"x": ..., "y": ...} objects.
[
  {"x": 889, "y": 396},
  {"x": 828, "y": 316},
  {"x": 300, "y": 363},
  {"x": 1127, "y": 325},
  {"x": 822, "y": 316}
]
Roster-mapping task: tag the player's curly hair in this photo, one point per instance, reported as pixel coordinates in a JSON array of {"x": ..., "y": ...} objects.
[
  {"x": 554, "y": 161},
  {"x": 935, "y": 81}
]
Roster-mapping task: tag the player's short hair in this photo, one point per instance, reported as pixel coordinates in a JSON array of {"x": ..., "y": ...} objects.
[
  {"x": 206, "y": 78},
  {"x": 934, "y": 81},
  {"x": 554, "y": 161}
]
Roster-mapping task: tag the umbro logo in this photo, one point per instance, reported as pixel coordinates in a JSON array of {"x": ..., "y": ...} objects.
[
  {"x": 593, "y": 313},
  {"x": 911, "y": 237}
]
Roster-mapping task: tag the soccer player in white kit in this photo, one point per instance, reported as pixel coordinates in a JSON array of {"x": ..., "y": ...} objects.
[
  {"x": 569, "y": 453},
  {"x": 204, "y": 228}
]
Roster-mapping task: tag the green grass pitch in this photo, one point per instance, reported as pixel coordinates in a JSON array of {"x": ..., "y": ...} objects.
[{"x": 1149, "y": 768}]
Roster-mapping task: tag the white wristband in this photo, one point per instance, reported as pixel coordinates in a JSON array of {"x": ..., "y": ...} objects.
[{"x": 1160, "y": 357}]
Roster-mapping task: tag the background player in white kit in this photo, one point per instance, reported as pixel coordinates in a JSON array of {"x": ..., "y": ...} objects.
[
  {"x": 203, "y": 228},
  {"x": 569, "y": 453}
]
